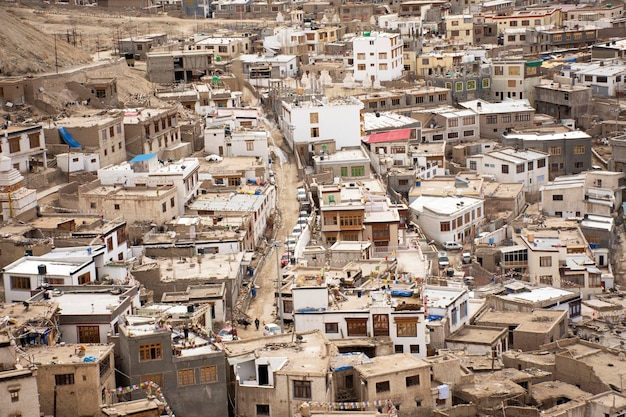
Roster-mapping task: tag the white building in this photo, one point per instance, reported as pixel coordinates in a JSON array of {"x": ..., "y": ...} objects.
[
  {"x": 588, "y": 193},
  {"x": 343, "y": 316},
  {"x": 508, "y": 165},
  {"x": 23, "y": 144},
  {"x": 78, "y": 161},
  {"x": 30, "y": 272},
  {"x": 448, "y": 218},
  {"x": 604, "y": 80},
  {"x": 147, "y": 171},
  {"x": 259, "y": 69},
  {"x": 447, "y": 310},
  {"x": 378, "y": 57},
  {"x": 305, "y": 121},
  {"x": 243, "y": 142},
  {"x": 15, "y": 199}
]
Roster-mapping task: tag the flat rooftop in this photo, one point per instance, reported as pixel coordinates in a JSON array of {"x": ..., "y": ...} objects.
[
  {"x": 67, "y": 354},
  {"x": 390, "y": 364},
  {"x": 481, "y": 335},
  {"x": 538, "y": 321},
  {"x": 212, "y": 267},
  {"x": 89, "y": 120}
]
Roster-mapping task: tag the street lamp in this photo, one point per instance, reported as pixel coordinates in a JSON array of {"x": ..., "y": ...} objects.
[{"x": 279, "y": 280}]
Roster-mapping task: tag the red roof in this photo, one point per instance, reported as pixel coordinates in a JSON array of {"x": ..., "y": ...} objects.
[{"x": 391, "y": 136}]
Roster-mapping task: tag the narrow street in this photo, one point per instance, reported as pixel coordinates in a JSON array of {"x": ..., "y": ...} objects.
[{"x": 263, "y": 306}]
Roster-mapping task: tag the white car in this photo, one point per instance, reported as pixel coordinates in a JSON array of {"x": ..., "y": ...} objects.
[
  {"x": 452, "y": 246},
  {"x": 467, "y": 257},
  {"x": 290, "y": 244},
  {"x": 301, "y": 194},
  {"x": 443, "y": 260},
  {"x": 271, "y": 329},
  {"x": 297, "y": 230}
]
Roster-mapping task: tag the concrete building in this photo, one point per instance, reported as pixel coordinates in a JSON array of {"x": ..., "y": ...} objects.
[
  {"x": 179, "y": 66},
  {"x": 563, "y": 101},
  {"x": 569, "y": 151},
  {"x": 459, "y": 28},
  {"x": 72, "y": 380},
  {"x": 515, "y": 79},
  {"x": 318, "y": 304},
  {"x": 222, "y": 141},
  {"x": 16, "y": 201},
  {"x": 89, "y": 313},
  {"x": 18, "y": 389},
  {"x": 343, "y": 164},
  {"x": 402, "y": 379},
  {"x": 258, "y": 70},
  {"x": 401, "y": 101},
  {"x": 25, "y": 145},
  {"x": 185, "y": 366},
  {"x": 509, "y": 165},
  {"x": 141, "y": 45},
  {"x": 604, "y": 79},
  {"x": 151, "y": 130},
  {"x": 308, "y": 120},
  {"x": 588, "y": 193},
  {"x": 502, "y": 199},
  {"x": 479, "y": 340},
  {"x": 497, "y": 118},
  {"x": 448, "y": 311},
  {"x": 531, "y": 298},
  {"x": 377, "y": 57},
  {"x": 146, "y": 171},
  {"x": 527, "y": 331},
  {"x": 276, "y": 381},
  {"x": 448, "y": 124},
  {"x": 448, "y": 218},
  {"x": 544, "y": 40},
  {"x": 103, "y": 134},
  {"x": 529, "y": 18}
]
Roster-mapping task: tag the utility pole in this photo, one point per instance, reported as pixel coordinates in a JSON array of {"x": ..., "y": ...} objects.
[{"x": 56, "y": 57}]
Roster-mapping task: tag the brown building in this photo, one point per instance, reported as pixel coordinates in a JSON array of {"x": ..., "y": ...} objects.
[{"x": 152, "y": 130}]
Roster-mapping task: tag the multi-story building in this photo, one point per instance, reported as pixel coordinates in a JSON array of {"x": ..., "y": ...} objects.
[
  {"x": 515, "y": 79},
  {"x": 226, "y": 48},
  {"x": 604, "y": 79},
  {"x": 276, "y": 381},
  {"x": 347, "y": 164},
  {"x": 16, "y": 201},
  {"x": 460, "y": 28},
  {"x": 570, "y": 152},
  {"x": 151, "y": 130},
  {"x": 448, "y": 218},
  {"x": 103, "y": 134},
  {"x": 377, "y": 57},
  {"x": 139, "y": 46},
  {"x": 308, "y": 120},
  {"x": 25, "y": 145},
  {"x": 563, "y": 100},
  {"x": 180, "y": 65},
  {"x": 529, "y": 18},
  {"x": 497, "y": 118},
  {"x": 259, "y": 69},
  {"x": 588, "y": 193},
  {"x": 540, "y": 40},
  {"x": 318, "y": 305},
  {"x": 185, "y": 366},
  {"x": 79, "y": 384},
  {"x": 402, "y": 101},
  {"x": 448, "y": 124},
  {"x": 529, "y": 167},
  {"x": 418, "y": 8},
  {"x": 448, "y": 311}
]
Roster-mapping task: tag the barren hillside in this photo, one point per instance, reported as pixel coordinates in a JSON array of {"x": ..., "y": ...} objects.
[{"x": 24, "y": 49}]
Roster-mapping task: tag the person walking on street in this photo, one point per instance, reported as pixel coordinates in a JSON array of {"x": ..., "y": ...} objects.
[{"x": 256, "y": 323}]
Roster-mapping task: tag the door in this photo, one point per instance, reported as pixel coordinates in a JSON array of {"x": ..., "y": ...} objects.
[{"x": 263, "y": 375}]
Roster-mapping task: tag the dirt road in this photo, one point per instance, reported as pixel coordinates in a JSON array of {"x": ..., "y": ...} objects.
[{"x": 263, "y": 306}]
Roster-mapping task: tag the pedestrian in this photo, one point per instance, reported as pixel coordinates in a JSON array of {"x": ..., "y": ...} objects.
[{"x": 256, "y": 323}]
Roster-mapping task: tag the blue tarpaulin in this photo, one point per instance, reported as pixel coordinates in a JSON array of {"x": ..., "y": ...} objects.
[
  {"x": 68, "y": 138},
  {"x": 143, "y": 157}
]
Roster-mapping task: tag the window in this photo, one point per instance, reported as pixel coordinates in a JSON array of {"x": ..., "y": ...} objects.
[
  {"x": 513, "y": 23},
  {"x": 406, "y": 327},
  {"x": 541, "y": 163},
  {"x": 186, "y": 377},
  {"x": 15, "y": 394},
  {"x": 156, "y": 378},
  {"x": 116, "y": 206},
  {"x": 262, "y": 409},
  {"x": 356, "y": 326},
  {"x": 412, "y": 381},
  {"x": 453, "y": 135},
  {"x": 33, "y": 138},
  {"x": 382, "y": 67},
  {"x": 150, "y": 352},
  {"x": 467, "y": 133},
  {"x": 506, "y": 118},
  {"x": 64, "y": 379},
  {"x": 505, "y": 169},
  {"x": 208, "y": 374},
  {"x": 523, "y": 117},
  {"x": 314, "y": 118},
  {"x": 331, "y": 327},
  {"x": 302, "y": 390},
  {"x": 498, "y": 70},
  {"x": 414, "y": 348},
  {"x": 315, "y": 132},
  {"x": 164, "y": 207},
  {"x": 519, "y": 168},
  {"x": 513, "y": 70},
  {"x": 578, "y": 164},
  {"x": 453, "y": 122},
  {"x": 554, "y": 150},
  {"x": 14, "y": 145},
  {"x": 360, "y": 55},
  {"x": 358, "y": 171},
  {"x": 381, "y": 324},
  {"x": 472, "y": 165},
  {"x": 491, "y": 120},
  {"x": 530, "y": 165},
  {"x": 361, "y": 67},
  {"x": 88, "y": 334},
  {"x": 444, "y": 226},
  {"x": 579, "y": 150},
  {"x": 398, "y": 349},
  {"x": 557, "y": 197},
  {"x": 545, "y": 261},
  {"x": 330, "y": 220},
  {"x": 469, "y": 120},
  {"x": 383, "y": 386},
  {"x": 20, "y": 283}
]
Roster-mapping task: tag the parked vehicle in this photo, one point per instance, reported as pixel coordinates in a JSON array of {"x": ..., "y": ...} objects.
[
  {"x": 296, "y": 231},
  {"x": 443, "y": 259},
  {"x": 301, "y": 194},
  {"x": 284, "y": 260},
  {"x": 467, "y": 257},
  {"x": 452, "y": 245},
  {"x": 227, "y": 334},
  {"x": 271, "y": 329}
]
